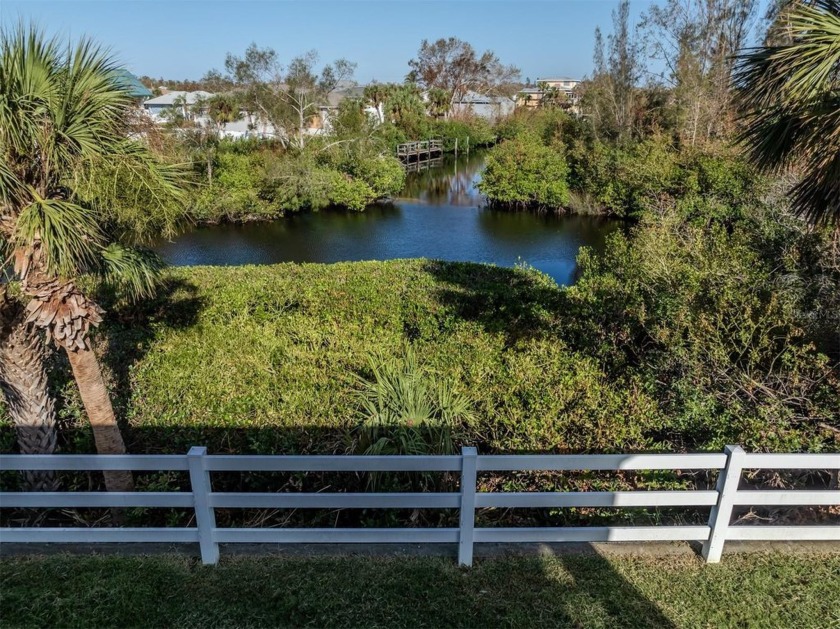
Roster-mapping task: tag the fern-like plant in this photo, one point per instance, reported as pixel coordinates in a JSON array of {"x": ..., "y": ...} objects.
[{"x": 404, "y": 409}]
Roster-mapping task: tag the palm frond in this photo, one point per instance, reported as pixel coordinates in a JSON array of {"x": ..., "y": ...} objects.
[
  {"x": 70, "y": 176},
  {"x": 134, "y": 273},
  {"x": 139, "y": 195},
  {"x": 789, "y": 98},
  {"x": 68, "y": 235}
]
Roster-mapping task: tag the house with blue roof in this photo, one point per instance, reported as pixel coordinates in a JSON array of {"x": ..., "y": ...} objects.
[{"x": 139, "y": 92}]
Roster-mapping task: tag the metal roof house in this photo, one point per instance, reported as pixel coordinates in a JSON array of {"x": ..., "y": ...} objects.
[
  {"x": 483, "y": 106},
  {"x": 138, "y": 92},
  {"x": 156, "y": 107}
]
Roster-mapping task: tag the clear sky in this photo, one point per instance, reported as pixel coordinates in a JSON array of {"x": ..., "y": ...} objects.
[{"x": 182, "y": 39}]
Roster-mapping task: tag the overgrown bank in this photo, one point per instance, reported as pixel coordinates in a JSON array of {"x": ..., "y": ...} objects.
[
  {"x": 549, "y": 160},
  {"x": 350, "y": 167},
  {"x": 268, "y": 359}
]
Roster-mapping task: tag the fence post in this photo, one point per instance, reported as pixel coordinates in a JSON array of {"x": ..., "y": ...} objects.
[
  {"x": 204, "y": 516},
  {"x": 727, "y": 485},
  {"x": 467, "y": 512}
]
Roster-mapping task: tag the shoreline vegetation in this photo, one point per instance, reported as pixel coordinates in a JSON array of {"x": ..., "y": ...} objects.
[
  {"x": 544, "y": 161},
  {"x": 350, "y": 168}
]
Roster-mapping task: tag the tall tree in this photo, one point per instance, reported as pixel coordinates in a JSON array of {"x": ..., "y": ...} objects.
[
  {"x": 454, "y": 66},
  {"x": 788, "y": 92},
  {"x": 74, "y": 192},
  {"x": 609, "y": 97},
  {"x": 697, "y": 41},
  {"x": 289, "y": 97},
  {"x": 624, "y": 69}
]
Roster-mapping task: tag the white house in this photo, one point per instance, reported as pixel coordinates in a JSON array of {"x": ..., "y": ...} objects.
[
  {"x": 483, "y": 106},
  {"x": 532, "y": 96},
  {"x": 563, "y": 83},
  {"x": 247, "y": 127},
  {"x": 158, "y": 107}
]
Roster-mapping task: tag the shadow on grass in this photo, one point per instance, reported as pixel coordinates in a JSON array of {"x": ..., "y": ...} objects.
[
  {"x": 503, "y": 300},
  {"x": 571, "y": 591},
  {"x": 130, "y": 330}
]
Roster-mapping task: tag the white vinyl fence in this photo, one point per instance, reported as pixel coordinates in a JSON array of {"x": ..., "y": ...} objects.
[{"x": 204, "y": 500}]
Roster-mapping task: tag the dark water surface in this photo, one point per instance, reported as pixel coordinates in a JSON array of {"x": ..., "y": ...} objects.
[{"x": 439, "y": 214}]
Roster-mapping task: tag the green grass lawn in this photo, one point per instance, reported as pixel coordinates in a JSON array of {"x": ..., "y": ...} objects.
[{"x": 770, "y": 590}]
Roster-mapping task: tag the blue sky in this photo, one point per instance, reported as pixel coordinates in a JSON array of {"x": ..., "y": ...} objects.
[{"x": 182, "y": 39}]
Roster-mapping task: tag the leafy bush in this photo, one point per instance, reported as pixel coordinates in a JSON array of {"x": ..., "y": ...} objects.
[
  {"x": 700, "y": 314},
  {"x": 647, "y": 175},
  {"x": 264, "y": 183},
  {"x": 234, "y": 193},
  {"x": 470, "y": 131},
  {"x": 384, "y": 175},
  {"x": 348, "y": 192},
  {"x": 524, "y": 173}
]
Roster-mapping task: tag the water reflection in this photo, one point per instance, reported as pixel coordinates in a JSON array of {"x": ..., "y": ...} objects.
[
  {"x": 453, "y": 183},
  {"x": 437, "y": 215}
]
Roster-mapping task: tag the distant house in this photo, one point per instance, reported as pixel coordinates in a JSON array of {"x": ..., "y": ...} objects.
[
  {"x": 139, "y": 93},
  {"x": 157, "y": 108},
  {"x": 483, "y": 106},
  {"x": 321, "y": 122},
  {"x": 564, "y": 84},
  {"x": 246, "y": 127},
  {"x": 533, "y": 96}
]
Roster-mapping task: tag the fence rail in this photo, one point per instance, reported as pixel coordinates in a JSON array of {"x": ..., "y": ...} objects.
[{"x": 204, "y": 501}]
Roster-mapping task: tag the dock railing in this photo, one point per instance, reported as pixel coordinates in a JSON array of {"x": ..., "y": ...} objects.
[
  {"x": 204, "y": 501},
  {"x": 419, "y": 148}
]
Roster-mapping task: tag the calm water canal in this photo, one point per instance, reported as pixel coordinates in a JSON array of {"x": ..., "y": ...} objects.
[{"x": 439, "y": 214}]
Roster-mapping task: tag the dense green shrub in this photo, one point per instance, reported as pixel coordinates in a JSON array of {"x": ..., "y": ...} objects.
[
  {"x": 384, "y": 175},
  {"x": 470, "y": 132},
  {"x": 551, "y": 125},
  {"x": 524, "y": 173},
  {"x": 700, "y": 313},
  {"x": 650, "y": 174},
  {"x": 346, "y": 191},
  {"x": 254, "y": 181},
  {"x": 234, "y": 192}
]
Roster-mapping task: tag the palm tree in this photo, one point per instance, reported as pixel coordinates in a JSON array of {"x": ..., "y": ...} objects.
[
  {"x": 23, "y": 380},
  {"x": 439, "y": 103},
  {"x": 375, "y": 95},
  {"x": 789, "y": 94},
  {"x": 75, "y": 194}
]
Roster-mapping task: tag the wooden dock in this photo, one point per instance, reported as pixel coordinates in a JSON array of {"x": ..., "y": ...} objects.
[{"x": 414, "y": 153}]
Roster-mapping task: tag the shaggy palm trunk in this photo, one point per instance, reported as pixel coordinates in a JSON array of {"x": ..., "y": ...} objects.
[
  {"x": 23, "y": 380},
  {"x": 106, "y": 432}
]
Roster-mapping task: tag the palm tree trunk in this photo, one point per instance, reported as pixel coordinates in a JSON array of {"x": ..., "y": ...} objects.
[
  {"x": 23, "y": 380},
  {"x": 106, "y": 432}
]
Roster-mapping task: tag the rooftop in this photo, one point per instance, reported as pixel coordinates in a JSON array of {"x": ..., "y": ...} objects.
[
  {"x": 335, "y": 97},
  {"x": 133, "y": 84},
  {"x": 557, "y": 78},
  {"x": 169, "y": 99}
]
